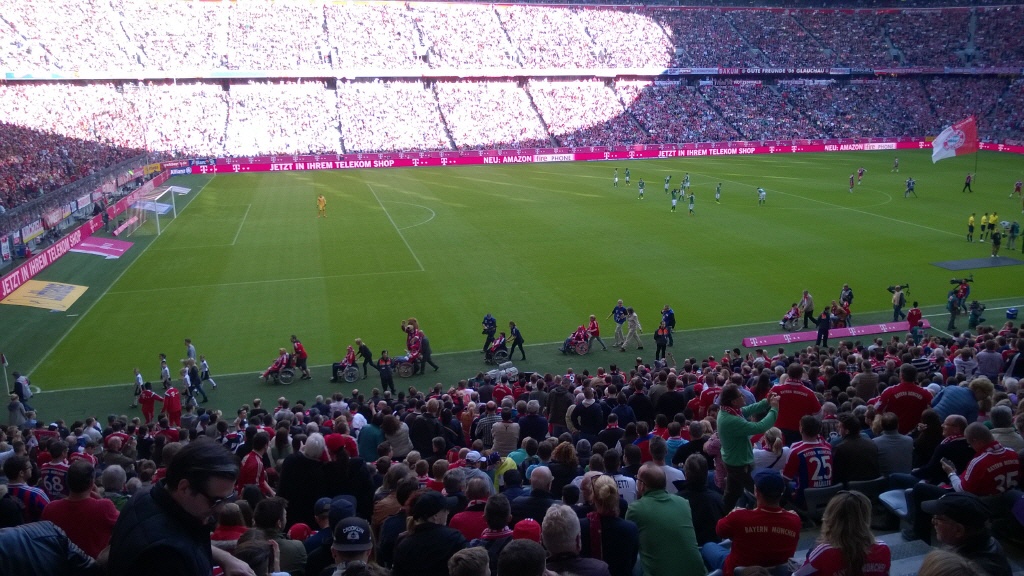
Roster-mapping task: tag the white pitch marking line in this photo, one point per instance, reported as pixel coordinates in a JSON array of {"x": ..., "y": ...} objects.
[
  {"x": 432, "y": 213},
  {"x": 105, "y": 292},
  {"x": 242, "y": 223},
  {"x": 397, "y": 229},
  {"x": 274, "y": 281}
]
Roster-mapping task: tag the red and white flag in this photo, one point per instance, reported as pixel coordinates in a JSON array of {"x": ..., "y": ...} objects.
[
  {"x": 3, "y": 359},
  {"x": 959, "y": 139}
]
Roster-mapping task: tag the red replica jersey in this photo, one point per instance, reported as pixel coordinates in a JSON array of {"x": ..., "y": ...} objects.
[
  {"x": 300, "y": 350},
  {"x": 993, "y": 471},
  {"x": 148, "y": 399},
  {"x": 499, "y": 392},
  {"x": 593, "y": 328},
  {"x": 53, "y": 479},
  {"x": 810, "y": 465},
  {"x": 707, "y": 399},
  {"x": 172, "y": 401},
  {"x": 907, "y": 401},
  {"x": 760, "y": 537},
  {"x": 914, "y": 317},
  {"x": 252, "y": 472},
  {"x": 824, "y": 560},
  {"x": 860, "y": 172},
  {"x": 82, "y": 456},
  {"x": 795, "y": 402}
]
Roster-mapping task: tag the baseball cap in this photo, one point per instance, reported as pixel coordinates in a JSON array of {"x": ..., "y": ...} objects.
[
  {"x": 526, "y": 529},
  {"x": 494, "y": 458},
  {"x": 334, "y": 442},
  {"x": 473, "y": 456},
  {"x": 322, "y": 507},
  {"x": 770, "y": 483},
  {"x": 960, "y": 507},
  {"x": 428, "y": 504},
  {"x": 300, "y": 532},
  {"x": 352, "y": 534}
]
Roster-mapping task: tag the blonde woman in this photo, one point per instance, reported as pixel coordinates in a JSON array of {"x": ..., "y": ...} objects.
[
  {"x": 770, "y": 451},
  {"x": 847, "y": 546},
  {"x": 605, "y": 536}
]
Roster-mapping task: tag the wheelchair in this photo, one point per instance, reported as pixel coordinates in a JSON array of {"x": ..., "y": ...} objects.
[
  {"x": 790, "y": 323},
  {"x": 580, "y": 347},
  {"x": 499, "y": 356},
  {"x": 350, "y": 374},
  {"x": 403, "y": 367},
  {"x": 284, "y": 375}
]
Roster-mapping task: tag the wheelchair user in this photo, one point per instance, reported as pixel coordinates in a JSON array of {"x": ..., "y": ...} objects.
[
  {"x": 499, "y": 343},
  {"x": 793, "y": 314},
  {"x": 414, "y": 354},
  {"x": 580, "y": 335},
  {"x": 282, "y": 361},
  {"x": 339, "y": 367}
]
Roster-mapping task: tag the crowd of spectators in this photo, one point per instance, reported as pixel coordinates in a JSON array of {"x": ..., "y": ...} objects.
[
  {"x": 479, "y": 42},
  {"x": 310, "y": 118},
  {"x": 864, "y": 47},
  {"x": 707, "y": 39},
  {"x": 866, "y": 110},
  {"x": 673, "y": 468},
  {"x": 98, "y": 124},
  {"x": 674, "y": 113},
  {"x": 386, "y": 116},
  {"x": 122, "y": 36},
  {"x": 380, "y": 36},
  {"x": 627, "y": 39},
  {"x": 549, "y": 37},
  {"x": 930, "y": 38},
  {"x": 996, "y": 34},
  {"x": 758, "y": 112},
  {"x": 490, "y": 115},
  {"x": 585, "y": 113}
]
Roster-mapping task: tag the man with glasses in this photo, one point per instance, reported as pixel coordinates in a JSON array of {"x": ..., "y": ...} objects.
[
  {"x": 166, "y": 531},
  {"x": 18, "y": 470}
]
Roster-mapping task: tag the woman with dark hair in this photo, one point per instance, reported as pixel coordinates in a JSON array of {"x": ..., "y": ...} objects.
[
  {"x": 927, "y": 437},
  {"x": 397, "y": 433},
  {"x": 280, "y": 449},
  {"x": 847, "y": 546},
  {"x": 706, "y": 505}
]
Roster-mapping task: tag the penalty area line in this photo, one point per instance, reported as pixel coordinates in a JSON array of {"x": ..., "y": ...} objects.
[{"x": 60, "y": 340}]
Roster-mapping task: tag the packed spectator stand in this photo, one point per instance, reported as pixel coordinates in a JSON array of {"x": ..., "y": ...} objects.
[
  {"x": 383, "y": 458},
  {"x": 349, "y": 107},
  {"x": 537, "y": 451}
]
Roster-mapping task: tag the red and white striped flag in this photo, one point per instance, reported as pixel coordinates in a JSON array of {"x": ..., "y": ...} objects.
[{"x": 959, "y": 139}]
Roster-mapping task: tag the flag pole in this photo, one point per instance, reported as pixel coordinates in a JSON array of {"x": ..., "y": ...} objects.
[{"x": 6, "y": 384}]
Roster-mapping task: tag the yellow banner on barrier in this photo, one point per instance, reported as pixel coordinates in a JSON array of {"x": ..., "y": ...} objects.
[
  {"x": 151, "y": 169},
  {"x": 48, "y": 295}
]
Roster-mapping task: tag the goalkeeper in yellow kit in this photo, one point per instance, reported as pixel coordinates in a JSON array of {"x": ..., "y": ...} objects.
[{"x": 321, "y": 206}]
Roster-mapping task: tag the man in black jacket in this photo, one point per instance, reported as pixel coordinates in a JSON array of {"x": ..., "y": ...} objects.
[
  {"x": 960, "y": 520},
  {"x": 535, "y": 504},
  {"x": 559, "y": 400},
  {"x": 588, "y": 417},
  {"x": 425, "y": 549},
  {"x": 166, "y": 531}
]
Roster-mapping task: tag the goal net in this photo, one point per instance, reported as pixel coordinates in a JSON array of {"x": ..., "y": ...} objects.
[{"x": 152, "y": 213}]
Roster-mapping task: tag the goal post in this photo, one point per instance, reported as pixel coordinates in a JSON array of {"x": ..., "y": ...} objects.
[{"x": 154, "y": 211}]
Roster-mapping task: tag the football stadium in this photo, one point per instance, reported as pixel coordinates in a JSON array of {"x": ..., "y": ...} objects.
[{"x": 588, "y": 276}]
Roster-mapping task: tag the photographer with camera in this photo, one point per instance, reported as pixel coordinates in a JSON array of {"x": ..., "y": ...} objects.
[
  {"x": 975, "y": 310},
  {"x": 899, "y": 300}
]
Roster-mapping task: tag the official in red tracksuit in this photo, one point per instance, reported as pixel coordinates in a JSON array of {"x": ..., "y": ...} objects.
[
  {"x": 147, "y": 401},
  {"x": 172, "y": 404}
]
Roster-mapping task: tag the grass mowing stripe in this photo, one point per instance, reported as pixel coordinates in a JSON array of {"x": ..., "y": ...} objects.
[
  {"x": 274, "y": 281},
  {"x": 107, "y": 291},
  {"x": 397, "y": 229},
  {"x": 240, "y": 224}
]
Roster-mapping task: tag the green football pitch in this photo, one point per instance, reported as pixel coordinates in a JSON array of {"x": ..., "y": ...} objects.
[{"x": 247, "y": 263}]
